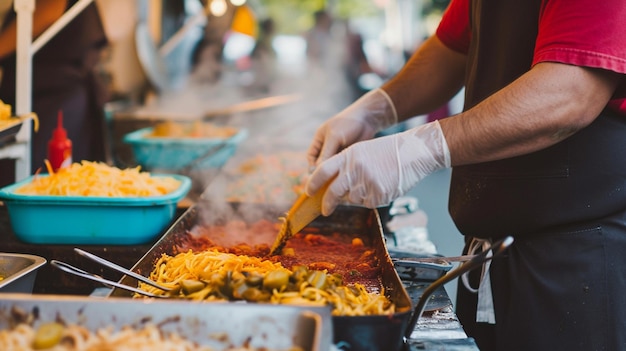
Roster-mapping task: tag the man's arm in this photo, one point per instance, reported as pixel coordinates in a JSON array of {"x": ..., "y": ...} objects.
[
  {"x": 544, "y": 106},
  {"x": 541, "y": 108},
  {"x": 431, "y": 77},
  {"x": 46, "y": 13}
]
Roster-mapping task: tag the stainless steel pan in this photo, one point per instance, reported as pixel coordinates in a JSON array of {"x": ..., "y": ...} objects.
[
  {"x": 374, "y": 332},
  {"x": 272, "y": 327}
]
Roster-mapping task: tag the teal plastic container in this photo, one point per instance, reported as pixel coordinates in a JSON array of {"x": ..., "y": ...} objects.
[
  {"x": 90, "y": 220},
  {"x": 174, "y": 154}
]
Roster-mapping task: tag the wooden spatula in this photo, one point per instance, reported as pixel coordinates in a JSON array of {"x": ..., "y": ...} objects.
[{"x": 304, "y": 211}]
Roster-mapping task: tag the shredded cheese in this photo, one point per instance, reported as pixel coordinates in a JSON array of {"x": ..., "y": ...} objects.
[{"x": 98, "y": 179}]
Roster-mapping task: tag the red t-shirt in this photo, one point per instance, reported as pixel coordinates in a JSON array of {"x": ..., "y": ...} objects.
[{"x": 588, "y": 33}]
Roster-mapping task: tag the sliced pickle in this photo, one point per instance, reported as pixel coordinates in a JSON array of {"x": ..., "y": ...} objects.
[
  {"x": 254, "y": 279},
  {"x": 299, "y": 274},
  {"x": 275, "y": 279},
  {"x": 317, "y": 279},
  {"x": 256, "y": 295},
  {"x": 48, "y": 335},
  {"x": 190, "y": 286}
]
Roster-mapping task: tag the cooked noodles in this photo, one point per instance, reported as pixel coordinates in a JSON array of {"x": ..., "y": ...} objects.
[{"x": 214, "y": 275}]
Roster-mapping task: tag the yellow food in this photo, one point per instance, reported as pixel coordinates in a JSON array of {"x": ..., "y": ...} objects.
[
  {"x": 48, "y": 335},
  {"x": 196, "y": 129},
  {"x": 5, "y": 110},
  {"x": 98, "y": 179},
  {"x": 212, "y": 275},
  {"x": 7, "y": 119}
]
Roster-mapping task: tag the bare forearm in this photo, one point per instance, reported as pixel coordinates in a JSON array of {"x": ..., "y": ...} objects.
[
  {"x": 432, "y": 76},
  {"x": 543, "y": 107}
]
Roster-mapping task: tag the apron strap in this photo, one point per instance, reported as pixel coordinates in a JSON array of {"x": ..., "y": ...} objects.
[{"x": 485, "y": 311}]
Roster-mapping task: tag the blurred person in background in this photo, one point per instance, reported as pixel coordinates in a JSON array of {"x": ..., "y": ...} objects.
[
  {"x": 326, "y": 53},
  {"x": 263, "y": 57},
  {"x": 319, "y": 40},
  {"x": 64, "y": 79},
  {"x": 537, "y": 153},
  {"x": 356, "y": 63},
  {"x": 208, "y": 55}
]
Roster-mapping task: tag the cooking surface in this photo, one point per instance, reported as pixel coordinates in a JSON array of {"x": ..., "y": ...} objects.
[
  {"x": 335, "y": 253},
  {"x": 366, "y": 332},
  {"x": 249, "y": 229}
]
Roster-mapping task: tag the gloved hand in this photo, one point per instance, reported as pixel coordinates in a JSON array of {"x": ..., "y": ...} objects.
[
  {"x": 371, "y": 113},
  {"x": 373, "y": 173}
]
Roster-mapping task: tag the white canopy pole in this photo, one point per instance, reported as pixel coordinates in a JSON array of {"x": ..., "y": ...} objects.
[
  {"x": 24, "y": 10},
  {"x": 23, "y": 87}
]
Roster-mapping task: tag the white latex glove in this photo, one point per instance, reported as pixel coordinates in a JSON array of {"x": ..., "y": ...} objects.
[
  {"x": 373, "y": 173},
  {"x": 361, "y": 120}
]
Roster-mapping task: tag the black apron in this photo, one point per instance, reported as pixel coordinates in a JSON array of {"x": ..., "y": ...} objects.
[{"x": 561, "y": 285}]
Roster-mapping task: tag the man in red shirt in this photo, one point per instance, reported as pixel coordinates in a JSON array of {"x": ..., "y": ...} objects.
[{"x": 537, "y": 153}]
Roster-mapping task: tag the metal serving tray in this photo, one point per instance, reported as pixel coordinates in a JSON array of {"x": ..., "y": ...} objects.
[
  {"x": 374, "y": 332},
  {"x": 8, "y": 130},
  {"x": 276, "y": 328},
  {"x": 18, "y": 272}
]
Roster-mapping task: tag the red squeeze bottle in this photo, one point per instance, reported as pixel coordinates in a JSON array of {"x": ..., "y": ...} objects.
[{"x": 59, "y": 147}]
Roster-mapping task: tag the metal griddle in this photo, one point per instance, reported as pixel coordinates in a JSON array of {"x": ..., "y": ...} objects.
[{"x": 377, "y": 332}]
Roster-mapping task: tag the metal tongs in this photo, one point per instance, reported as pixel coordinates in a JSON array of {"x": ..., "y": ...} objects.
[
  {"x": 475, "y": 261},
  {"x": 82, "y": 273}
]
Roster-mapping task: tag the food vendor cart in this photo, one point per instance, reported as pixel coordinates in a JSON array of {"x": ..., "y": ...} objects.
[{"x": 437, "y": 329}]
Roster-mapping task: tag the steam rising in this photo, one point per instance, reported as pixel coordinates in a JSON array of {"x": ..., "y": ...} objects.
[{"x": 285, "y": 128}]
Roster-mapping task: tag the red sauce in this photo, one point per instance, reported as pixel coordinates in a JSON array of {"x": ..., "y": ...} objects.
[{"x": 334, "y": 252}]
